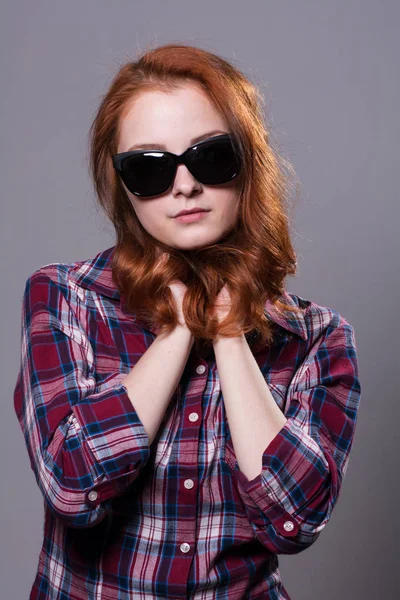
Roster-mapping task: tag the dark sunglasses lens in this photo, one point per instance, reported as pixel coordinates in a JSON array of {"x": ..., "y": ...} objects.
[
  {"x": 147, "y": 174},
  {"x": 215, "y": 162}
]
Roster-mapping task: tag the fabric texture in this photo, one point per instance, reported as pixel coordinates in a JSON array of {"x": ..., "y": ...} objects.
[{"x": 176, "y": 519}]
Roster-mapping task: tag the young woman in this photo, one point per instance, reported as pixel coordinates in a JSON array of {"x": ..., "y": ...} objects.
[{"x": 186, "y": 418}]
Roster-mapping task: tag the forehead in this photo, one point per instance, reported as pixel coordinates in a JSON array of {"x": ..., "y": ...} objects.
[{"x": 169, "y": 120}]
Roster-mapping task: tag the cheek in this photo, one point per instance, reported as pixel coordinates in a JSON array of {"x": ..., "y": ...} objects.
[
  {"x": 148, "y": 219},
  {"x": 141, "y": 213},
  {"x": 156, "y": 223},
  {"x": 146, "y": 212},
  {"x": 229, "y": 208}
]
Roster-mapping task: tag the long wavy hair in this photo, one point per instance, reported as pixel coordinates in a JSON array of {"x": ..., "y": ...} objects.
[{"x": 253, "y": 259}]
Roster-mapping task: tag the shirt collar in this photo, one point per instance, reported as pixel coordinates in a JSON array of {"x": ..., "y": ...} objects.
[{"x": 95, "y": 274}]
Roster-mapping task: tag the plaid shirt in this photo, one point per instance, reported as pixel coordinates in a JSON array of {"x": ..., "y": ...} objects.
[{"x": 176, "y": 519}]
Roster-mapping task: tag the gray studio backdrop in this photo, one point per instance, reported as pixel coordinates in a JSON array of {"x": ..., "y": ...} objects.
[{"x": 329, "y": 73}]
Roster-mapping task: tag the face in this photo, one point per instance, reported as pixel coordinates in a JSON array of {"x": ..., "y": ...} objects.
[{"x": 171, "y": 121}]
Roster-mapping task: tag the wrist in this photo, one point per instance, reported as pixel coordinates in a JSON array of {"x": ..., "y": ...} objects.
[{"x": 221, "y": 339}]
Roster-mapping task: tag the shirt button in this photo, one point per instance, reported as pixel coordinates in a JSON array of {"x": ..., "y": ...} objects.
[
  {"x": 288, "y": 526},
  {"x": 93, "y": 496},
  {"x": 193, "y": 417},
  {"x": 200, "y": 369},
  {"x": 185, "y": 547},
  {"x": 189, "y": 484}
]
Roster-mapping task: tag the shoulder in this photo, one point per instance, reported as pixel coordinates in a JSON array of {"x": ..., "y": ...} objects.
[
  {"x": 73, "y": 280},
  {"x": 50, "y": 282},
  {"x": 321, "y": 321},
  {"x": 58, "y": 295},
  {"x": 329, "y": 361}
]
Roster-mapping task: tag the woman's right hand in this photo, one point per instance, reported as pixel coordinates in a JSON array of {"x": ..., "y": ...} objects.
[{"x": 178, "y": 289}]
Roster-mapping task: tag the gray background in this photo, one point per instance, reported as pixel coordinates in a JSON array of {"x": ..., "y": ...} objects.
[{"x": 329, "y": 73}]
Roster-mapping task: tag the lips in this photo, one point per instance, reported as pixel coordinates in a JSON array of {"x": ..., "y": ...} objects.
[
  {"x": 192, "y": 217},
  {"x": 191, "y": 211}
]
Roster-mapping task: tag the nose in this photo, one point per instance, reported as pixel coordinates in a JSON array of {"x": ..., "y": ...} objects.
[{"x": 184, "y": 182}]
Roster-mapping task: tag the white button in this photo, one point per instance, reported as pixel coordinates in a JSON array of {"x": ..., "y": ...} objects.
[
  {"x": 93, "y": 496},
  {"x": 288, "y": 526},
  {"x": 193, "y": 417},
  {"x": 200, "y": 369},
  {"x": 185, "y": 547},
  {"x": 189, "y": 484}
]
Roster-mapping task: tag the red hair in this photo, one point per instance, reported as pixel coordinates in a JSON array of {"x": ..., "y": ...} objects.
[{"x": 254, "y": 259}]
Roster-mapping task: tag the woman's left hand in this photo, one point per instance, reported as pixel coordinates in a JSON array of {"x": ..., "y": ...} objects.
[{"x": 222, "y": 304}]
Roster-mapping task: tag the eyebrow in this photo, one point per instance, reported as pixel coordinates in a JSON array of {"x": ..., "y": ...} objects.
[{"x": 195, "y": 140}]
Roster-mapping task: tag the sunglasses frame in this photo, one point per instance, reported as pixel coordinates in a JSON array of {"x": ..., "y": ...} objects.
[{"x": 178, "y": 160}]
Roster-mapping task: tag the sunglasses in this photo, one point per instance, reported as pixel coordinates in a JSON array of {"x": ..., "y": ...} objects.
[{"x": 151, "y": 172}]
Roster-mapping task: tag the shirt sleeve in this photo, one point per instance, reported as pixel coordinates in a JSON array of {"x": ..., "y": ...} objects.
[
  {"x": 85, "y": 442},
  {"x": 292, "y": 499}
]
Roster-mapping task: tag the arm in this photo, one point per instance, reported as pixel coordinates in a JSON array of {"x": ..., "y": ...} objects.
[
  {"x": 254, "y": 426},
  {"x": 152, "y": 382},
  {"x": 86, "y": 444},
  {"x": 290, "y": 467}
]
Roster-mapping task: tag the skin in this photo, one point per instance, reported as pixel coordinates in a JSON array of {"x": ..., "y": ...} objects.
[{"x": 174, "y": 119}]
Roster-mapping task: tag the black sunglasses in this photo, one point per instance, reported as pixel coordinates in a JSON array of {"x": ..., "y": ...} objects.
[{"x": 151, "y": 172}]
